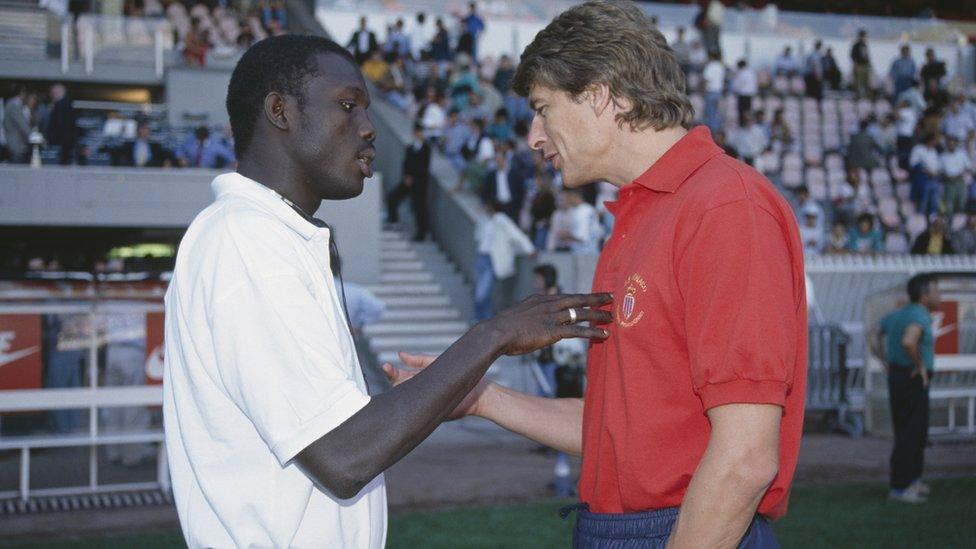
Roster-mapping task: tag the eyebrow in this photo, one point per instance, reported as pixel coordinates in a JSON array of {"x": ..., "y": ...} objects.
[{"x": 358, "y": 92}]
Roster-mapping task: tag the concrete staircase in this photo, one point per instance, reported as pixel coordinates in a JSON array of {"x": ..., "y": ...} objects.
[
  {"x": 23, "y": 30},
  {"x": 427, "y": 301}
]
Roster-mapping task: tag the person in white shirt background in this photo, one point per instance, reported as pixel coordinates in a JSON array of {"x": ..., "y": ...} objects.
[
  {"x": 750, "y": 139},
  {"x": 907, "y": 120},
  {"x": 575, "y": 225},
  {"x": 925, "y": 168},
  {"x": 714, "y": 77},
  {"x": 271, "y": 435},
  {"x": 812, "y": 232},
  {"x": 745, "y": 86},
  {"x": 957, "y": 169},
  {"x": 499, "y": 240}
]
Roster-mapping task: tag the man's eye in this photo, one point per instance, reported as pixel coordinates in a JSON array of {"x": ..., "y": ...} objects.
[{"x": 347, "y": 106}]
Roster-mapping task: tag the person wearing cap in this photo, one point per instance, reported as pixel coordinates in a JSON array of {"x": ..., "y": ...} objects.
[
  {"x": 690, "y": 426},
  {"x": 812, "y": 232}
]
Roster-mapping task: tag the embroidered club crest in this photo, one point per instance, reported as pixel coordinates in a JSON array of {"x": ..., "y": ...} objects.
[{"x": 629, "y": 312}]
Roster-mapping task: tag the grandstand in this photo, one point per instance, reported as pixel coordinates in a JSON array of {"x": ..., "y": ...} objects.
[{"x": 123, "y": 70}]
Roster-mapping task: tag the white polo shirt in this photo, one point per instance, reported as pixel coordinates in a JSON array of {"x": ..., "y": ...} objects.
[{"x": 259, "y": 364}]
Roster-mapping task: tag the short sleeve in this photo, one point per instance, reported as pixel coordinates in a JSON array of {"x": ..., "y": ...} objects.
[
  {"x": 280, "y": 361},
  {"x": 741, "y": 298}
]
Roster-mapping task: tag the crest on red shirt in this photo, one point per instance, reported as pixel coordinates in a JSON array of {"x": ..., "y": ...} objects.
[{"x": 629, "y": 312}]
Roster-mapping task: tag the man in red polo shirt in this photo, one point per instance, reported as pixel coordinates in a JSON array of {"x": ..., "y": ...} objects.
[{"x": 691, "y": 422}]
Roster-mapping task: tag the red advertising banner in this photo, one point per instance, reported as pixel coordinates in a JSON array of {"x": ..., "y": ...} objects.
[
  {"x": 20, "y": 351},
  {"x": 945, "y": 328},
  {"x": 154, "y": 348}
]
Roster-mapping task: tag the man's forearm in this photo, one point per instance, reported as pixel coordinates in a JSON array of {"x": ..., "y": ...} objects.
[
  {"x": 556, "y": 423},
  {"x": 395, "y": 422}
]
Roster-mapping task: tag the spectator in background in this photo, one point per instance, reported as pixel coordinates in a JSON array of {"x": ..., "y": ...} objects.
[
  {"x": 62, "y": 129},
  {"x": 861, "y": 60},
  {"x": 905, "y": 344},
  {"x": 500, "y": 129},
  {"x": 837, "y": 241},
  {"x": 957, "y": 168},
  {"x": 812, "y": 232},
  {"x": 709, "y": 22},
  {"x": 473, "y": 26},
  {"x": 682, "y": 51},
  {"x": 813, "y": 72},
  {"x": 780, "y": 135},
  {"x": 543, "y": 203},
  {"x": 16, "y": 126},
  {"x": 956, "y": 122},
  {"x": 416, "y": 172},
  {"x": 831, "y": 71},
  {"x": 141, "y": 152},
  {"x": 805, "y": 203},
  {"x": 786, "y": 64},
  {"x": 200, "y": 150},
  {"x": 196, "y": 44},
  {"x": 864, "y": 238},
  {"x": 925, "y": 170},
  {"x": 745, "y": 86},
  {"x": 905, "y": 128},
  {"x": 579, "y": 229},
  {"x": 501, "y": 187},
  {"x": 913, "y": 95},
  {"x": 481, "y": 143},
  {"x": 504, "y": 75},
  {"x": 714, "y": 76},
  {"x": 934, "y": 240},
  {"x": 375, "y": 68},
  {"x": 433, "y": 115},
  {"x": 886, "y": 135},
  {"x": 440, "y": 46},
  {"x": 750, "y": 139},
  {"x": 698, "y": 57},
  {"x": 964, "y": 241},
  {"x": 456, "y": 135},
  {"x": 473, "y": 175},
  {"x": 398, "y": 41},
  {"x": 362, "y": 43},
  {"x": 722, "y": 143},
  {"x": 903, "y": 71},
  {"x": 862, "y": 149},
  {"x": 499, "y": 240},
  {"x": 421, "y": 33},
  {"x": 932, "y": 73}
]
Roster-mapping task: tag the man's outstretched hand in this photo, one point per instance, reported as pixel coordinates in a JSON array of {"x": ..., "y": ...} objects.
[
  {"x": 416, "y": 363},
  {"x": 542, "y": 320}
]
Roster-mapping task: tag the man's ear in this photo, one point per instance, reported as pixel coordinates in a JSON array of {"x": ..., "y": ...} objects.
[
  {"x": 274, "y": 110},
  {"x": 600, "y": 99}
]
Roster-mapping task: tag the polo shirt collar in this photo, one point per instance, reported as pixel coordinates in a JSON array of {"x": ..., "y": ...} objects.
[
  {"x": 678, "y": 163},
  {"x": 233, "y": 183}
]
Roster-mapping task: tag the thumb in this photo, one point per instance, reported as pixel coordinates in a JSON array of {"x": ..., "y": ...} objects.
[
  {"x": 415, "y": 361},
  {"x": 390, "y": 371}
]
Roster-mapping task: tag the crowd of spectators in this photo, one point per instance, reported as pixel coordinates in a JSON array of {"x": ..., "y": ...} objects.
[
  {"x": 466, "y": 108},
  {"x": 43, "y": 126}
]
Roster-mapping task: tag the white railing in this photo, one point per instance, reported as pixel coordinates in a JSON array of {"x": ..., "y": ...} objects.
[
  {"x": 92, "y": 397},
  {"x": 142, "y": 41}
]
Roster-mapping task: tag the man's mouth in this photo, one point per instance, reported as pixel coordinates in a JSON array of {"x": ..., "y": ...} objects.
[
  {"x": 552, "y": 159},
  {"x": 365, "y": 161}
]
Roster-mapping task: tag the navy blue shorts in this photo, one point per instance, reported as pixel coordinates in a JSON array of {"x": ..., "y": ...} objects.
[{"x": 650, "y": 529}]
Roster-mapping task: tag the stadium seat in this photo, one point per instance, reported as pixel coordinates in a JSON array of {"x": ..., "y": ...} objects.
[{"x": 896, "y": 242}]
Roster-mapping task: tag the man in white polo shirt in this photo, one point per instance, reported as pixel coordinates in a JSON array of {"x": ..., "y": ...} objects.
[{"x": 271, "y": 436}]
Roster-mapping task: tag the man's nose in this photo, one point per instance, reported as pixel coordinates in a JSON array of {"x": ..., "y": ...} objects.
[{"x": 537, "y": 136}]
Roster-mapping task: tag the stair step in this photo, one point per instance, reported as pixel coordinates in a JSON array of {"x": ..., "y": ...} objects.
[
  {"x": 393, "y": 245},
  {"x": 405, "y": 289},
  {"x": 417, "y": 301},
  {"x": 406, "y": 342},
  {"x": 391, "y": 235},
  {"x": 401, "y": 266},
  {"x": 398, "y": 255},
  {"x": 418, "y": 328},
  {"x": 420, "y": 314},
  {"x": 416, "y": 276}
]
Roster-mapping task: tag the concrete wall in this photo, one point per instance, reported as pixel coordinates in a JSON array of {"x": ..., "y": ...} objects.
[
  {"x": 196, "y": 92},
  {"x": 118, "y": 197}
]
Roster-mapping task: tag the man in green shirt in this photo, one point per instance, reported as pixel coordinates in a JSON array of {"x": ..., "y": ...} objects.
[{"x": 906, "y": 346}]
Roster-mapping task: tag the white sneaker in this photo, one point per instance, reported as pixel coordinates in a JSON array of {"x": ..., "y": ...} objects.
[
  {"x": 923, "y": 488},
  {"x": 912, "y": 494}
]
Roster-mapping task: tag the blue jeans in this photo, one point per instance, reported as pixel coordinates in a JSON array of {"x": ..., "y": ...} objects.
[
  {"x": 931, "y": 196},
  {"x": 650, "y": 529},
  {"x": 713, "y": 116},
  {"x": 484, "y": 282},
  {"x": 64, "y": 371}
]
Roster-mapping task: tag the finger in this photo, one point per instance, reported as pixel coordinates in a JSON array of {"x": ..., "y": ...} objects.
[
  {"x": 596, "y": 316},
  {"x": 416, "y": 361},
  {"x": 583, "y": 300},
  {"x": 585, "y": 332},
  {"x": 390, "y": 371}
]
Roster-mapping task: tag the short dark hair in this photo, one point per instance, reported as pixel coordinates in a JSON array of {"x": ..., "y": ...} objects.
[
  {"x": 277, "y": 64},
  {"x": 919, "y": 285}
]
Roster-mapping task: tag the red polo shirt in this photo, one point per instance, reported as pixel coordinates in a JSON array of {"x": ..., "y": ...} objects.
[{"x": 706, "y": 267}]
